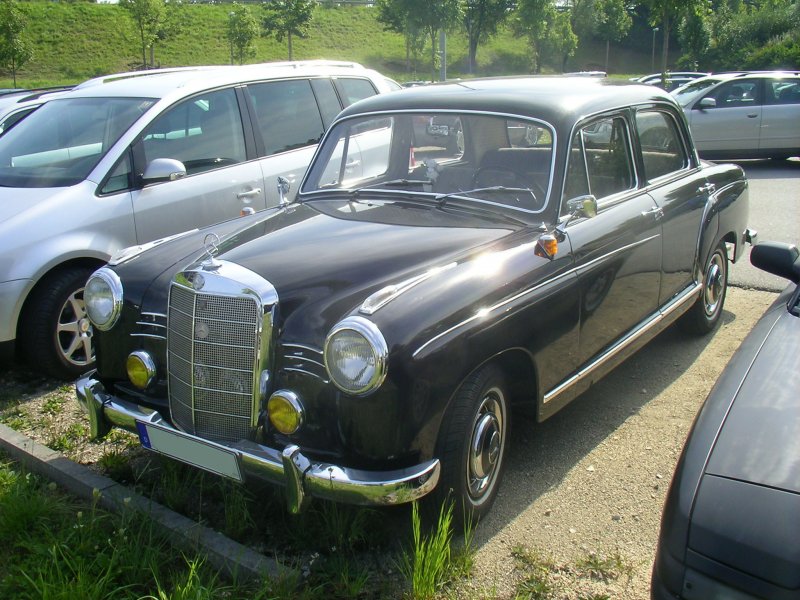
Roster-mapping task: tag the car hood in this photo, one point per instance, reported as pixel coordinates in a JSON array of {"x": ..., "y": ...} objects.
[
  {"x": 760, "y": 440},
  {"x": 325, "y": 259}
]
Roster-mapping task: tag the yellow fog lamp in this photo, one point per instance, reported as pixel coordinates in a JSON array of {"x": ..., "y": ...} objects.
[
  {"x": 285, "y": 412},
  {"x": 141, "y": 369}
]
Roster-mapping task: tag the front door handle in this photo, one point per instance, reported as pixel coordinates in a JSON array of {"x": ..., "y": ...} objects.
[
  {"x": 248, "y": 194},
  {"x": 752, "y": 115},
  {"x": 708, "y": 188},
  {"x": 656, "y": 211}
]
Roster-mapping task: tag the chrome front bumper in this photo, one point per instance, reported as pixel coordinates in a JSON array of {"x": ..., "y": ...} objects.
[{"x": 301, "y": 477}]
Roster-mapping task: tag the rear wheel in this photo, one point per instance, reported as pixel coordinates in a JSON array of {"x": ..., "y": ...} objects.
[
  {"x": 56, "y": 335},
  {"x": 472, "y": 446},
  {"x": 705, "y": 314}
]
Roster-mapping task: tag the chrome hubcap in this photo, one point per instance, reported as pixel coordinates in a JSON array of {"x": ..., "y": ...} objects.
[
  {"x": 74, "y": 331},
  {"x": 486, "y": 444},
  {"x": 715, "y": 284}
]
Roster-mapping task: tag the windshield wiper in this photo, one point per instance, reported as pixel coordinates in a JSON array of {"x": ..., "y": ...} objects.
[
  {"x": 442, "y": 198},
  {"x": 403, "y": 183}
]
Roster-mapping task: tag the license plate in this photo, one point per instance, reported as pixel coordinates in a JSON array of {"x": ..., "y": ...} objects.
[{"x": 185, "y": 448}]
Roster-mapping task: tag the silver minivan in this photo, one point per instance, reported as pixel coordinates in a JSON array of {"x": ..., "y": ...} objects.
[{"x": 128, "y": 159}]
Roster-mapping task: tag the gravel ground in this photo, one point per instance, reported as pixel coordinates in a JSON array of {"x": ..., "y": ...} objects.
[
  {"x": 582, "y": 496},
  {"x": 587, "y": 487}
]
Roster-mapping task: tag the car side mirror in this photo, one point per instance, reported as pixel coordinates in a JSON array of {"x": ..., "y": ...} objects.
[
  {"x": 777, "y": 258},
  {"x": 283, "y": 191},
  {"x": 582, "y": 206},
  {"x": 163, "y": 169},
  {"x": 707, "y": 102}
]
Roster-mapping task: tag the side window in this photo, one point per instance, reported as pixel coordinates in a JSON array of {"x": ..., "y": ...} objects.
[
  {"x": 600, "y": 160},
  {"x": 204, "y": 132},
  {"x": 327, "y": 99},
  {"x": 662, "y": 151},
  {"x": 353, "y": 89},
  {"x": 782, "y": 91},
  {"x": 287, "y": 115},
  {"x": 120, "y": 177},
  {"x": 739, "y": 92}
]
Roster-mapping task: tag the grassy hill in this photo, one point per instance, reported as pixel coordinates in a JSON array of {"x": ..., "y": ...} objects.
[{"x": 73, "y": 41}]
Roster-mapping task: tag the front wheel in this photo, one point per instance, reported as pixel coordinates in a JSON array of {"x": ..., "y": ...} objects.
[
  {"x": 472, "y": 445},
  {"x": 56, "y": 335},
  {"x": 705, "y": 314}
]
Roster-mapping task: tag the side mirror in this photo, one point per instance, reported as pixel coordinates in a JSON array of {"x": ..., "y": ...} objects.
[
  {"x": 163, "y": 169},
  {"x": 707, "y": 102},
  {"x": 582, "y": 206},
  {"x": 283, "y": 191},
  {"x": 777, "y": 258}
]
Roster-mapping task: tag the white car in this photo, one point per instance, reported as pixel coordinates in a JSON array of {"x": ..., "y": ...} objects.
[
  {"x": 744, "y": 115},
  {"x": 128, "y": 159},
  {"x": 17, "y": 105}
]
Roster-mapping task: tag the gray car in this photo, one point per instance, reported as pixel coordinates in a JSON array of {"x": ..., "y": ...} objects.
[
  {"x": 744, "y": 115},
  {"x": 124, "y": 160},
  {"x": 731, "y": 523}
]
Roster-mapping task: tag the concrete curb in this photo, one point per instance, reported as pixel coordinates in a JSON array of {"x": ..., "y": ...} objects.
[{"x": 234, "y": 559}]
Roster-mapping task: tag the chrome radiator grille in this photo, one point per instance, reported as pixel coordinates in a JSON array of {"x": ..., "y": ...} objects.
[{"x": 212, "y": 351}]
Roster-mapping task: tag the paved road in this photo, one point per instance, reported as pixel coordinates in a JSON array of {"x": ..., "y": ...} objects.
[{"x": 774, "y": 213}]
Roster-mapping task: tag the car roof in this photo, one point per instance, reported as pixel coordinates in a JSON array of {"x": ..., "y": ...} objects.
[
  {"x": 553, "y": 99},
  {"x": 183, "y": 81}
]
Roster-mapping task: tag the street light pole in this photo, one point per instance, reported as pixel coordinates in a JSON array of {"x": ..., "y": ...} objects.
[{"x": 653, "y": 57}]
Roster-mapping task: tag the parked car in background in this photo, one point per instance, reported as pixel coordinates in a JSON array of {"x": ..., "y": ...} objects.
[
  {"x": 367, "y": 342},
  {"x": 744, "y": 115},
  {"x": 15, "y": 107},
  {"x": 670, "y": 79},
  {"x": 129, "y": 159},
  {"x": 732, "y": 516}
]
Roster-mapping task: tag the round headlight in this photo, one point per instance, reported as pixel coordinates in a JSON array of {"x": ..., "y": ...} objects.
[
  {"x": 103, "y": 298},
  {"x": 355, "y": 356}
]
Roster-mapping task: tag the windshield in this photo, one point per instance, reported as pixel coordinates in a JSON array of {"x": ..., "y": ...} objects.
[
  {"x": 61, "y": 142},
  {"x": 685, "y": 94},
  {"x": 437, "y": 157}
]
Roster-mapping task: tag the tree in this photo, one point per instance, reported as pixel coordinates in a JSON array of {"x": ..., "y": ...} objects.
[
  {"x": 154, "y": 20},
  {"x": 612, "y": 22},
  {"x": 14, "y": 49},
  {"x": 437, "y": 16},
  {"x": 401, "y": 16},
  {"x": 695, "y": 37},
  {"x": 288, "y": 18},
  {"x": 665, "y": 13},
  {"x": 242, "y": 30},
  {"x": 481, "y": 20},
  {"x": 530, "y": 21}
]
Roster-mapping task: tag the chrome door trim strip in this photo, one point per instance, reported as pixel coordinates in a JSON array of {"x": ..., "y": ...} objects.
[{"x": 623, "y": 343}]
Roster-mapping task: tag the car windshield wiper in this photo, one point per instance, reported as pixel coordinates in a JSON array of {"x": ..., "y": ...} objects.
[
  {"x": 487, "y": 212},
  {"x": 401, "y": 183},
  {"x": 442, "y": 198}
]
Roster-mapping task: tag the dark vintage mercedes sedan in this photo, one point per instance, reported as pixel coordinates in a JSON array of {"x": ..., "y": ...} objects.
[
  {"x": 454, "y": 251},
  {"x": 731, "y": 522}
]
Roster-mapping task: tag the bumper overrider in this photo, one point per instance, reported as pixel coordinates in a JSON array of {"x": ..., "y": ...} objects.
[{"x": 301, "y": 477}]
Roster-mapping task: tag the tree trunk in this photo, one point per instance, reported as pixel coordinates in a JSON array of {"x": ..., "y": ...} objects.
[
  {"x": 290, "y": 45},
  {"x": 152, "y": 55},
  {"x": 665, "y": 45},
  {"x": 433, "y": 54},
  {"x": 144, "y": 50},
  {"x": 473, "y": 53},
  {"x": 608, "y": 43}
]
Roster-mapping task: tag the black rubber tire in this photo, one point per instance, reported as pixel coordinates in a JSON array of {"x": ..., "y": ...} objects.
[
  {"x": 704, "y": 315},
  {"x": 63, "y": 353},
  {"x": 479, "y": 413}
]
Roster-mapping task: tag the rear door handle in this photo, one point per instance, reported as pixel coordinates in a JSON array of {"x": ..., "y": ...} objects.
[{"x": 752, "y": 115}]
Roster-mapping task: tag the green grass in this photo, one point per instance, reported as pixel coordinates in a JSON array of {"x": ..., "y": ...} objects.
[
  {"x": 73, "y": 41},
  {"x": 59, "y": 548}
]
